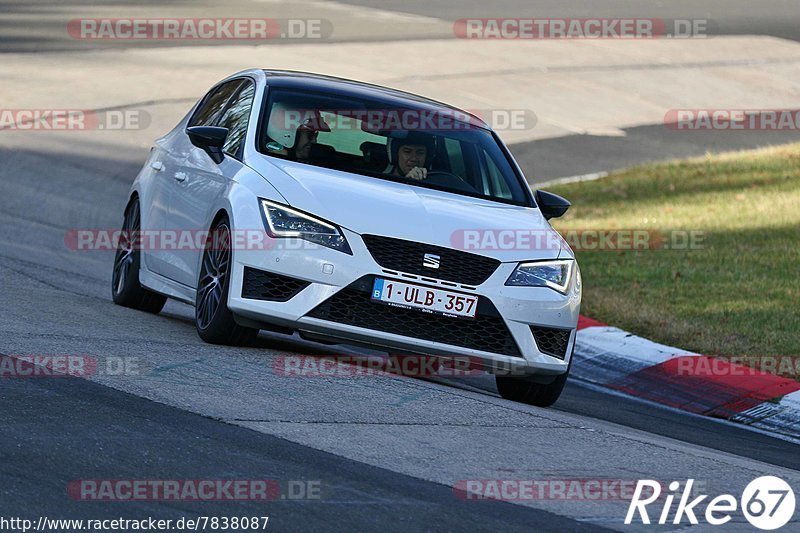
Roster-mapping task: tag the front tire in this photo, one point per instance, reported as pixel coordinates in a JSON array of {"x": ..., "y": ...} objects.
[
  {"x": 214, "y": 321},
  {"x": 524, "y": 390},
  {"x": 125, "y": 287}
]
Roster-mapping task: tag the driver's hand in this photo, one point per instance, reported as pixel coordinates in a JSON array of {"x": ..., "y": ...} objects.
[{"x": 417, "y": 173}]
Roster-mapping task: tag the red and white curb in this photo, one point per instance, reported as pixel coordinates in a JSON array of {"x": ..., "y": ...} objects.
[{"x": 615, "y": 359}]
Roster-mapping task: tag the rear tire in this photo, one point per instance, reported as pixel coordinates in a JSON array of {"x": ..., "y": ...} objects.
[
  {"x": 125, "y": 287},
  {"x": 214, "y": 321}
]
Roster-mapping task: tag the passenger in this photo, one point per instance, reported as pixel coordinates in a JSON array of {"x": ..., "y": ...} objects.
[
  {"x": 305, "y": 138},
  {"x": 296, "y": 143}
]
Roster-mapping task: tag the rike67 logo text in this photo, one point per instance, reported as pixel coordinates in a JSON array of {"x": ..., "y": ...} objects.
[{"x": 767, "y": 502}]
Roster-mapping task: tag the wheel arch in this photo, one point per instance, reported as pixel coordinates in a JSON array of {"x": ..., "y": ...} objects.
[{"x": 219, "y": 215}]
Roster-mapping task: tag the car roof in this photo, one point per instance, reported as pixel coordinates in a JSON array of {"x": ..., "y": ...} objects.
[{"x": 290, "y": 79}]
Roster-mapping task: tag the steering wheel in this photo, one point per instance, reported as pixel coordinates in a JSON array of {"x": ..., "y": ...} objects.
[{"x": 449, "y": 180}]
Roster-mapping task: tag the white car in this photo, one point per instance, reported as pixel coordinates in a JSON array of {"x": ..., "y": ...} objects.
[{"x": 357, "y": 214}]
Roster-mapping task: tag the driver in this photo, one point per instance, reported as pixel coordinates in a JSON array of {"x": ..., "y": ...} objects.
[{"x": 411, "y": 157}]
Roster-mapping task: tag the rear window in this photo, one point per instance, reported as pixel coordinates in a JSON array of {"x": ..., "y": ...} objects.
[{"x": 424, "y": 149}]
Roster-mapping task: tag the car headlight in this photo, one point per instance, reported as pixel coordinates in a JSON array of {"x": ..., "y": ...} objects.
[
  {"x": 554, "y": 274},
  {"x": 284, "y": 221}
]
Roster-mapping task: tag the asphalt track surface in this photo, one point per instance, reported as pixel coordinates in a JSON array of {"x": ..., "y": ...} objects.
[
  {"x": 221, "y": 418},
  {"x": 582, "y": 155},
  {"x": 36, "y": 25},
  {"x": 126, "y": 437},
  {"x": 733, "y": 17}
]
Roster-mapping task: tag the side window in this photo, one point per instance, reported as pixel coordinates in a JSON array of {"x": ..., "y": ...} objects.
[
  {"x": 213, "y": 103},
  {"x": 465, "y": 163},
  {"x": 456, "y": 157},
  {"x": 236, "y": 118},
  {"x": 498, "y": 185}
]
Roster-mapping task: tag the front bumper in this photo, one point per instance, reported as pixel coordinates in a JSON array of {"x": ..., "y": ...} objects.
[{"x": 329, "y": 273}]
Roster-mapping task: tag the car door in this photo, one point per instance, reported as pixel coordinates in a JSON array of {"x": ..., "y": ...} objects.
[
  {"x": 165, "y": 258},
  {"x": 203, "y": 181},
  {"x": 155, "y": 201}
]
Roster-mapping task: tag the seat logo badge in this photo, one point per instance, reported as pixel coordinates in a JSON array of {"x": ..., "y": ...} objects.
[{"x": 430, "y": 261}]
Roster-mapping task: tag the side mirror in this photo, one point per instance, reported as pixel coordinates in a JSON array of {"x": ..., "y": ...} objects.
[
  {"x": 551, "y": 205},
  {"x": 210, "y": 139}
]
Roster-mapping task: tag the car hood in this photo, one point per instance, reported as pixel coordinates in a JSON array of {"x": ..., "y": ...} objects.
[{"x": 367, "y": 205}]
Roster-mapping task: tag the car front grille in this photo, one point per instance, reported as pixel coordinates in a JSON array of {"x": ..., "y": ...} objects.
[
  {"x": 408, "y": 256},
  {"x": 353, "y": 306},
  {"x": 261, "y": 285},
  {"x": 552, "y": 341}
]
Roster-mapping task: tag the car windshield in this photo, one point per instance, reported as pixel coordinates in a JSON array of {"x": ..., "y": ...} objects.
[{"x": 438, "y": 150}]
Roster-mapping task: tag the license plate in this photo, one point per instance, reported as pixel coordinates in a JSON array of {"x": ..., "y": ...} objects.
[{"x": 426, "y": 299}]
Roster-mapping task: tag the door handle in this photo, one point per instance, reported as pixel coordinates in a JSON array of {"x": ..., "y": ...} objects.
[
  {"x": 180, "y": 177},
  {"x": 157, "y": 166}
]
